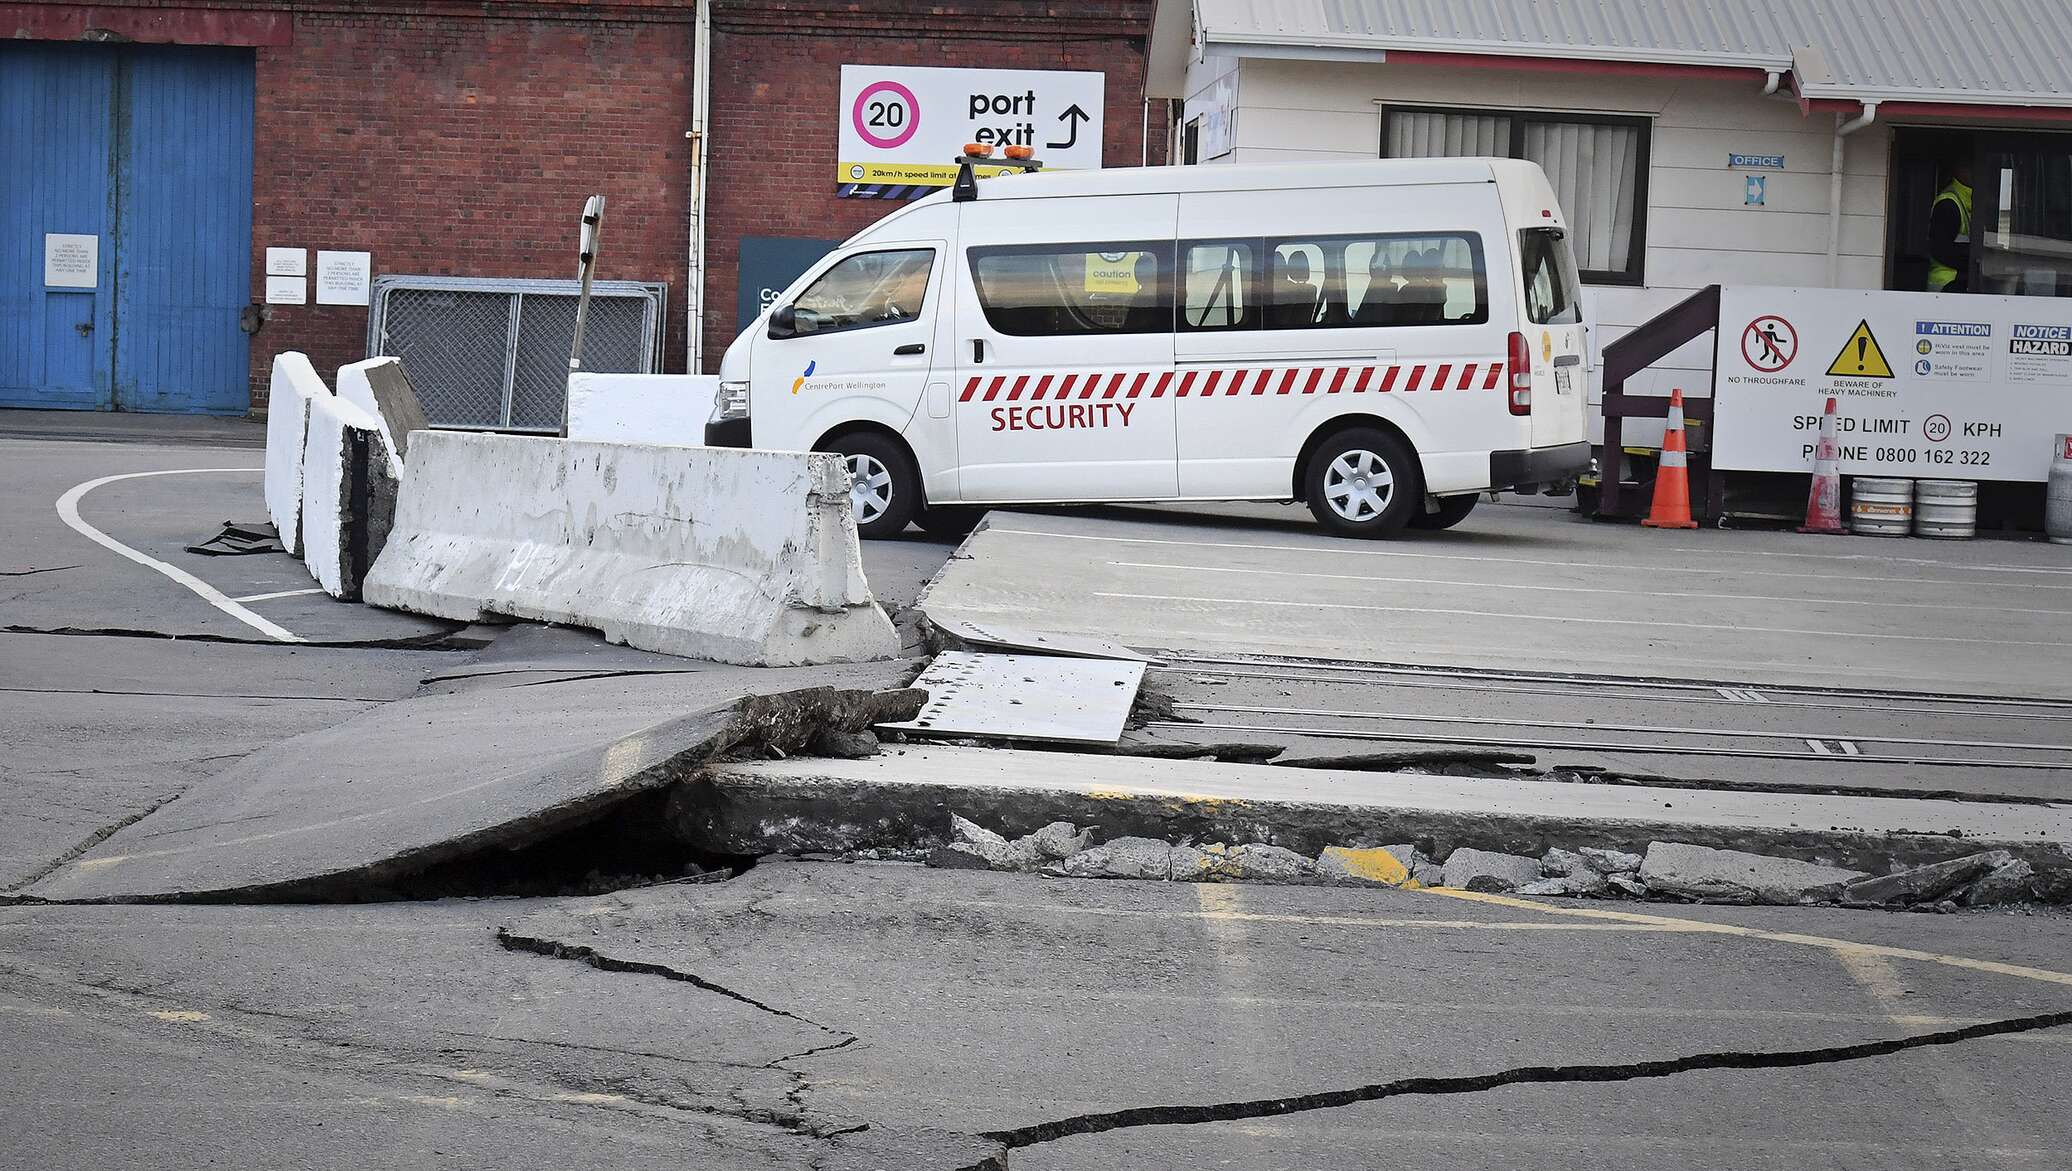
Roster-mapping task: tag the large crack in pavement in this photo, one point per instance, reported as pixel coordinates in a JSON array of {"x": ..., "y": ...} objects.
[
  {"x": 796, "y": 1120},
  {"x": 1103, "y": 1121}
]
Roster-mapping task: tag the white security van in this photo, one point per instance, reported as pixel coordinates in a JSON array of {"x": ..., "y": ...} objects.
[{"x": 1381, "y": 340}]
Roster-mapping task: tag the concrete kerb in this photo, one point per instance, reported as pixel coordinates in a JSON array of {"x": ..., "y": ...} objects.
[
  {"x": 900, "y": 803},
  {"x": 737, "y": 556},
  {"x": 295, "y": 387}
]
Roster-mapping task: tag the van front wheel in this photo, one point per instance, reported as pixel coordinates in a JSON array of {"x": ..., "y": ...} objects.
[
  {"x": 1364, "y": 483},
  {"x": 884, "y": 489}
]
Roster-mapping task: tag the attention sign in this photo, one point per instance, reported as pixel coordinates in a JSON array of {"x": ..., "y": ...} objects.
[{"x": 909, "y": 124}]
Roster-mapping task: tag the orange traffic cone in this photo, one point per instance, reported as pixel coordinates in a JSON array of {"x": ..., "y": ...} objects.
[
  {"x": 1672, "y": 508},
  {"x": 1824, "y": 502}
]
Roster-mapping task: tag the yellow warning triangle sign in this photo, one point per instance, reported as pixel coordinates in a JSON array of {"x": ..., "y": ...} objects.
[{"x": 1860, "y": 356}]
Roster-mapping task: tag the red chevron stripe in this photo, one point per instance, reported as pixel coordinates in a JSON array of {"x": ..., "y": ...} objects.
[
  {"x": 970, "y": 388},
  {"x": 1338, "y": 379},
  {"x": 1388, "y": 380},
  {"x": 1165, "y": 379},
  {"x": 1113, "y": 383},
  {"x": 1014, "y": 392},
  {"x": 1496, "y": 375},
  {"x": 1416, "y": 376},
  {"x": 1186, "y": 381},
  {"x": 1137, "y": 387},
  {"x": 1042, "y": 384},
  {"x": 993, "y": 388}
]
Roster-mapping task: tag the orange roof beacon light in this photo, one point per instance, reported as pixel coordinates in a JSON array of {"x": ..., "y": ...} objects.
[{"x": 1019, "y": 158}]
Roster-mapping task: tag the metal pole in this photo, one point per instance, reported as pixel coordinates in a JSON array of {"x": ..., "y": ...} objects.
[{"x": 586, "y": 265}]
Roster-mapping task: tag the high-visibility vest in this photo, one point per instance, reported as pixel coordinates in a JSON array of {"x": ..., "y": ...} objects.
[{"x": 1940, "y": 275}]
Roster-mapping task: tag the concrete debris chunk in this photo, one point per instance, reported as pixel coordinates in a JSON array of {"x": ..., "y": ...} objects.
[
  {"x": 1420, "y": 864},
  {"x": 959, "y": 856},
  {"x": 1627, "y": 885},
  {"x": 1560, "y": 863},
  {"x": 1373, "y": 867},
  {"x": 1699, "y": 872},
  {"x": 1059, "y": 840},
  {"x": 1922, "y": 884},
  {"x": 2011, "y": 882},
  {"x": 1188, "y": 864},
  {"x": 846, "y": 745},
  {"x": 963, "y": 830},
  {"x": 1582, "y": 884},
  {"x": 1486, "y": 870},
  {"x": 1261, "y": 863},
  {"x": 1121, "y": 858},
  {"x": 1611, "y": 861}
]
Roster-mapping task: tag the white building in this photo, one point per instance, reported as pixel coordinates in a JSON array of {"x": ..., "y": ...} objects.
[{"x": 1693, "y": 142}]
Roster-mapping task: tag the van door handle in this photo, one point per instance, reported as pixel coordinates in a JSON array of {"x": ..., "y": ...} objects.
[
  {"x": 1569, "y": 360},
  {"x": 978, "y": 350},
  {"x": 909, "y": 348}
]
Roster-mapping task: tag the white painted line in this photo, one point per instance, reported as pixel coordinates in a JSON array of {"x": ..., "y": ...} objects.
[
  {"x": 1547, "y": 618},
  {"x": 1557, "y": 589},
  {"x": 68, "y": 511},
  {"x": 1819, "y": 749},
  {"x": 278, "y": 594},
  {"x": 1593, "y": 566}
]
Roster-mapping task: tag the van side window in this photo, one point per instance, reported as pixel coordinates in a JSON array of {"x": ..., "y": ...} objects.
[
  {"x": 870, "y": 288},
  {"x": 1335, "y": 282},
  {"x": 1061, "y": 290},
  {"x": 1551, "y": 290},
  {"x": 1219, "y": 277}
]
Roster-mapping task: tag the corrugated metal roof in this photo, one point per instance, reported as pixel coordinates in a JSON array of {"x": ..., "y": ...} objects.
[{"x": 2015, "y": 52}]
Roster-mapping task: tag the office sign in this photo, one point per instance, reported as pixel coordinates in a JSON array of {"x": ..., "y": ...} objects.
[
  {"x": 907, "y": 125},
  {"x": 768, "y": 266},
  {"x": 1927, "y": 386}
]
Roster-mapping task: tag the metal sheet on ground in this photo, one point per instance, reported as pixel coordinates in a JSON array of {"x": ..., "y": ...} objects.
[
  {"x": 1519, "y": 588},
  {"x": 1025, "y": 697}
]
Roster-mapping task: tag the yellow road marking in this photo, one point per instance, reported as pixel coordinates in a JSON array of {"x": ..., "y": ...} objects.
[
  {"x": 1375, "y": 865},
  {"x": 1843, "y": 946}
]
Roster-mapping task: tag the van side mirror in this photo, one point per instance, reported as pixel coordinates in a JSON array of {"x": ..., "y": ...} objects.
[{"x": 784, "y": 321}]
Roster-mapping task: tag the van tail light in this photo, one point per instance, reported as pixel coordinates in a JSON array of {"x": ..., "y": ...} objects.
[{"x": 1521, "y": 376}]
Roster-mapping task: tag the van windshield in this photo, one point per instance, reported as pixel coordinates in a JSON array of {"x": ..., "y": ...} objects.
[{"x": 1552, "y": 296}]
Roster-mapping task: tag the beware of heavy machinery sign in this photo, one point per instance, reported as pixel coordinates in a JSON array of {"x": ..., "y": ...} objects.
[
  {"x": 1927, "y": 386},
  {"x": 907, "y": 124}
]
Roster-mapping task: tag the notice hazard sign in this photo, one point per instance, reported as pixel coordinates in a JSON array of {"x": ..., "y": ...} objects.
[{"x": 1860, "y": 356}]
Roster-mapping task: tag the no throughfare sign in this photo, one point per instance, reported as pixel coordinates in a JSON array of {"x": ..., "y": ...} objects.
[
  {"x": 1931, "y": 387},
  {"x": 908, "y": 124}
]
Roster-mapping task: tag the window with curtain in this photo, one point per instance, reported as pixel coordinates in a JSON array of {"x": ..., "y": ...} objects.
[{"x": 1598, "y": 166}]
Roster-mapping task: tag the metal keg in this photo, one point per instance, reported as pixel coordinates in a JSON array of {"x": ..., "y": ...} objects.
[
  {"x": 1946, "y": 509},
  {"x": 2057, "y": 507},
  {"x": 1881, "y": 508}
]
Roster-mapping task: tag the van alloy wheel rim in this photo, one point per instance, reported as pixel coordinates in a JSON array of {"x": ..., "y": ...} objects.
[
  {"x": 870, "y": 488},
  {"x": 1359, "y": 485}
]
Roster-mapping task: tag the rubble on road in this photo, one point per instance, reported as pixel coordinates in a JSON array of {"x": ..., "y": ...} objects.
[
  {"x": 1674, "y": 871},
  {"x": 1490, "y": 872}
]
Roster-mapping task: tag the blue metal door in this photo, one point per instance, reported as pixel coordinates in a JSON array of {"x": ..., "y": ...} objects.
[
  {"x": 56, "y": 125},
  {"x": 149, "y": 150}
]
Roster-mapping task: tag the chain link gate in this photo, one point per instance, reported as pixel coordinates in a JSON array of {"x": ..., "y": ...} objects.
[{"x": 493, "y": 354}]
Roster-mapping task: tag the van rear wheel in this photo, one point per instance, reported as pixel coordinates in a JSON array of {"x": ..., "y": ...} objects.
[
  {"x": 884, "y": 488},
  {"x": 1452, "y": 511},
  {"x": 1363, "y": 482}
]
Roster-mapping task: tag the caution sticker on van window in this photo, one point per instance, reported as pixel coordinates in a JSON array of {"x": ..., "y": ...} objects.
[{"x": 1112, "y": 272}]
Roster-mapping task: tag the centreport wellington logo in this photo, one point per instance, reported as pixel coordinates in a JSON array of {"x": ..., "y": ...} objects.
[{"x": 801, "y": 379}]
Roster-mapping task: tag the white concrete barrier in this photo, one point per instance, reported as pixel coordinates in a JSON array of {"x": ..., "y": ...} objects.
[
  {"x": 341, "y": 534},
  {"x": 353, "y": 387},
  {"x": 640, "y": 408},
  {"x": 295, "y": 386},
  {"x": 738, "y": 556}
]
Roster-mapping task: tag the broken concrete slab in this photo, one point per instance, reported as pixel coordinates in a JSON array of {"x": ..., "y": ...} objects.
[
  {"x": 1025, "y": 698},
  {"x": 1611, "y": 861},
  {"x": 1344, "y": 866},
  {"x": 1258, "y": 863},
  {"x": 1560, "y": 863},
  {"x": 1698, "y": 872},
  {"x": 1127, "y": 857},
  {"x": 1583, "y": 884},
  {"x": 1922, "y": 884},
  {"x": 530, "y": 649},
  {"x": 899, "y": 801},
  {"x": 2012, "y": 883},
  {"x": 1488, "y": 870},
  {"x": 342, "y": 811}
]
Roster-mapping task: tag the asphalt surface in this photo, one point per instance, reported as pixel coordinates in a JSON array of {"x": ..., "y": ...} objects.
[{"x": 404, "y": 1035}]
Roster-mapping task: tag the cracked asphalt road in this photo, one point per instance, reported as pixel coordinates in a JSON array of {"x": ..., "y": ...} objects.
[{"x": 878, "y": 1016}]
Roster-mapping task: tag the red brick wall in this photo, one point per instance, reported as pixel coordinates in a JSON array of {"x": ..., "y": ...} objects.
[
  {"x": 463, "y": 145},
  {"x": 452, "y": 137},
  {"x": 776, "y": 87}
]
